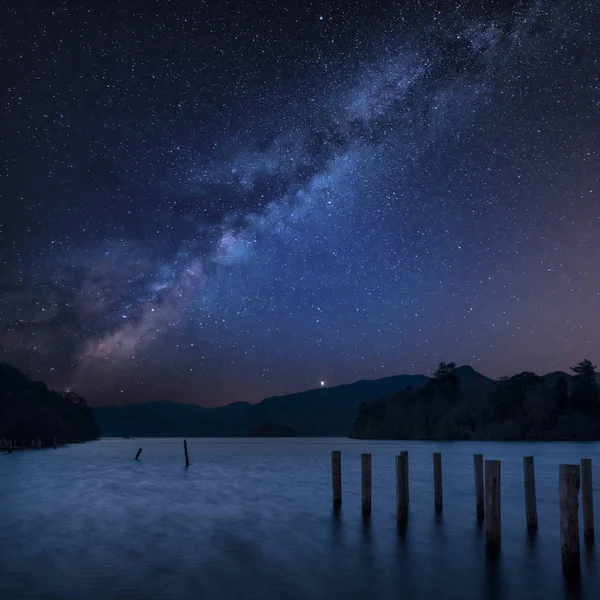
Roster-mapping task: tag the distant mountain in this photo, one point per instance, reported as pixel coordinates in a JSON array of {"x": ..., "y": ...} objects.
[
  {"x": 318, "y": 412},
  {"x": 29, "y": 410},
  {"x": 165, "y": 418}
]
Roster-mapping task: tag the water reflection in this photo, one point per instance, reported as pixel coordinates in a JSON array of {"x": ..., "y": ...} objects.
[
  {"x": 493, "y": 574},
  {"x": 255, "y": 520}
]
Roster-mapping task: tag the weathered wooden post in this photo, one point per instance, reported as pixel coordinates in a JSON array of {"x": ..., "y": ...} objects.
[
  {"x": 6, "y": 445},
  {"x": 138, "y": 454},
  {"x": 492, "y": 504},
  {"x": 365, "y": 471},
  {"x": 530, "y": 498},
  {"x": 406, "y": 486},
  {"x": 479, "y": 502},
  {"x": 438, "y": 492},
  {"x": 568, "y": 492},
  {"x": 587, "y": 500},
  {"x": 401, "y": 488},
  {"x": 185, "y": 450},
  {"x": 336, "y": 478}
]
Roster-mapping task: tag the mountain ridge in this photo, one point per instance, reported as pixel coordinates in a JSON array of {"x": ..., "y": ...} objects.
[{"x": 321, "y": 411}]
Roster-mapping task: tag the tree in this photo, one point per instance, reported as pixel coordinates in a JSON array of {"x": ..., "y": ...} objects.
[
  {"x": 585, "y": 388},
  {"x": 585, "y": 371},
  {"x": 446, "y": 375},
  {"x": 561, "y": 395}
]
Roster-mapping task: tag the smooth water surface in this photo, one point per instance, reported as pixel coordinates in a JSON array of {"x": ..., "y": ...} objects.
[{"x": 252, "y": 519}]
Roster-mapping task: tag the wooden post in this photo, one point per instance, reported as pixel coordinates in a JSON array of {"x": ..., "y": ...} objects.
[
  {"x": 38, "y": 443},
  {"x": 438, "y": 492},
  {"x": 401, "y": 487},
  {"x": 55, "y": 442},
  {"x": 406, "y": 486},
  {"x": 587, "y": 500},
  {"x": 185, "y": 450},
  {"x": 479, "y": 502},
  {"x": 6, "y": 445},
  {"x": 138, "y": 454},
  {"x": 336, "y": 478},
  {"x": 568, "y": 492},
  {"x": 492, "y": 504},
  {"x": 365, "y": 471},
  {"x": 530, "y": 499}
]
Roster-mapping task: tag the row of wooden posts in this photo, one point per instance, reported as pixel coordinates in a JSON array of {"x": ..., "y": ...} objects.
[
  {"x": 487, "y": 498},
  {"x": 9, "y": 445}
]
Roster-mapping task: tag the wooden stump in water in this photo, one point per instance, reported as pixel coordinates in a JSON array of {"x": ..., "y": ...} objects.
[
  {"x": 185, "y": 451},
  {"x": 365, "y": 471},
  {"x": 530, "y": 497},
  {"x": 406, "y": 486},
  {"x": 568, "y": 492},
  {"x": 336, "y": 478},
  {"x": 492, "y": 504},
  {"x": 479, "y": 501},
  {"x": 587, "y": 501},
  {"x": 138, "y": 454},
  {"x": 401, "y": 487},
  {"x": 438, "y": 491}
]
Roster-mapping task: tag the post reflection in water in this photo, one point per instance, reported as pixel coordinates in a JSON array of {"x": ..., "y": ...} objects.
[{"x": 253, "y": 519}]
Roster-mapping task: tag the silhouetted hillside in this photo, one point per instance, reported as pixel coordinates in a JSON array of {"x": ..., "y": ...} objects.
[
  {"x": 165, "y": 418},
  {"x": 318, "y": 412},
  {"x": 462, "y": 404},
  {"x": 28, "y": 410}
]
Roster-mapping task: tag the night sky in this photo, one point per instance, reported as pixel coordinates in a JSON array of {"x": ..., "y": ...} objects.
[{"x": 220, "y": 201}]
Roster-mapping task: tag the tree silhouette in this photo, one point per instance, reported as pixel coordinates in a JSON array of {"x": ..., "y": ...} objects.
[
  {"x": 445, "y": 375},
  {"x": 561, "y": 395},
  {"x": 585, "y": 388}
]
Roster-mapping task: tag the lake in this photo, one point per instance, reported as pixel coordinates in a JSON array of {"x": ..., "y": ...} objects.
[{"x": 252, "y": 519}]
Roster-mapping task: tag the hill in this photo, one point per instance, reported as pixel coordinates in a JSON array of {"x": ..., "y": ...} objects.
[
  {"x": 318, "y": 412},
  {"x": 165, "y": 418},
  {"x": 28, "y": 410}
]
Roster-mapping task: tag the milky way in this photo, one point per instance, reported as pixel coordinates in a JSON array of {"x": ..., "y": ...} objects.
[{"x": 214, "y": 202}]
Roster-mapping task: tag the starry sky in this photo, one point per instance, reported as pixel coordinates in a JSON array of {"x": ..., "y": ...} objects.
[{"x": 221, "y": 201}]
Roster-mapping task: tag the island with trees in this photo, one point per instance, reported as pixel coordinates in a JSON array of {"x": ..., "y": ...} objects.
[{"x": 525, "y": 406}]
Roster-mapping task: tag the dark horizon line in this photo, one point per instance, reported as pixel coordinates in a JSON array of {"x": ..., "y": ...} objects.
[{"x": 314, "y": 389}]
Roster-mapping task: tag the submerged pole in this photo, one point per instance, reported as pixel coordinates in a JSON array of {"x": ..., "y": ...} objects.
[
  {"x": 492, "y": 504},
  {"x": 365, "y": 470},
  {"x": 568, "y": 492},
  {"x": 401, "y": 487},
  {"x": 138, "y": 454},
  {"x": 406, "y": 486},
  {"x": 336, "y": 478},
  {"x": 530, "y": 498},
  {"x": 438, "y": 491},
  {"x": 479, "y": 501},
  {"x": 587, "y": 501},
  {"x": 185, "y": 451}
]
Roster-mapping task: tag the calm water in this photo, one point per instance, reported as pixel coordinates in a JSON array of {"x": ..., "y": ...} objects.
[{"x": 252, "y": 519}]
